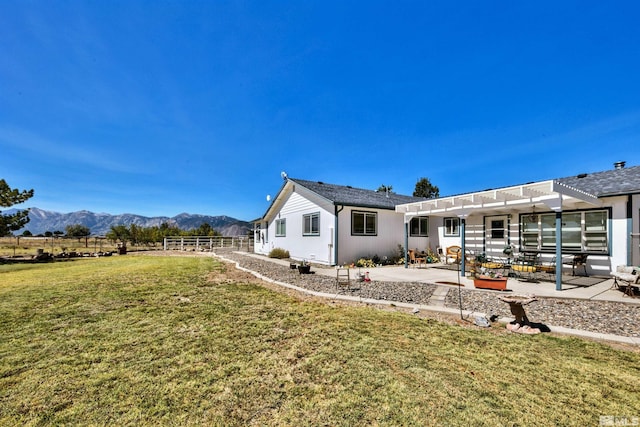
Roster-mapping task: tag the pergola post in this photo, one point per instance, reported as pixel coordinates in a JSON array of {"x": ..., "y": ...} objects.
[
  {"x": 558, "y": 250},
  {"x": 406, "y": 242},
  {"x": 463, "y": 222}
]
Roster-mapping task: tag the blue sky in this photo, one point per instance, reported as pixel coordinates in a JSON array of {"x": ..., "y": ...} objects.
[{"x": 163, "y": 107}]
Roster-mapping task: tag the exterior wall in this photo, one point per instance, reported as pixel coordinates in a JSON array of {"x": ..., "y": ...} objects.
[
  {"x": 619, "y": 233},
  {"x": 300, "y": 247},
  {"x": 390, "y": 234},
  {"x": 437, "y": 238}
]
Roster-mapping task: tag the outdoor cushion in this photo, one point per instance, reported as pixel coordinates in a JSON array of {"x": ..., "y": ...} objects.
[
  {"x": 626, "y": 273},
  {"x": 524, "y": 268}
]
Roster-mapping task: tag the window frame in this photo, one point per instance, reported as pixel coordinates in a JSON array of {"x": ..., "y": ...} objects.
[
  {"x": 456, "y": 232},
  {"x": 308, "y": 219},
  {"x": 281, "y": 227},
  {"x": 577, "y": 236},
  {"x": 421, "y": 232},
  {"x": 365, "y": 216}
]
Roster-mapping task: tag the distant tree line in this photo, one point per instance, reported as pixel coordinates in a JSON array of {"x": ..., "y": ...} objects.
[
  {"x": 133, "y": 233},
  {"x": 137, "y": 235}
]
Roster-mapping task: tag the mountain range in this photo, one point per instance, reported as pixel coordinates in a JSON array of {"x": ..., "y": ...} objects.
[{"x": 42, "y": 221}]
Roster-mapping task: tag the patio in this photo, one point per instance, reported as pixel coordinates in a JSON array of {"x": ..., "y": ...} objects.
[{"x": 573, "y": 287}]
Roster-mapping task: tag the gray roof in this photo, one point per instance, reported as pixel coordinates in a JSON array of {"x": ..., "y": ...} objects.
[
  {"x": 350, "y": 196},
  {"x": 607, "y": 183}
]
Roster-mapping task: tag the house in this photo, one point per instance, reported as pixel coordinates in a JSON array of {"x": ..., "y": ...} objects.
[
  {"x": 335, "y": 224},
  {"x": 597, "y": 214}
]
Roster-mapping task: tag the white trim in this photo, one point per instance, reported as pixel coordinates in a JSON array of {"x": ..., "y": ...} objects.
[{"x": 552, "y": 193}]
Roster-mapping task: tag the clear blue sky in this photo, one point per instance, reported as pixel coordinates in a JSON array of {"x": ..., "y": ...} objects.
[{"x": 163, "y": 107}]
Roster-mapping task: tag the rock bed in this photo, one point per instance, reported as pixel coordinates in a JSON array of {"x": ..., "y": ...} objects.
[
  {"x": 607, "y": 317},
  {"x": 414, "y": 293}
]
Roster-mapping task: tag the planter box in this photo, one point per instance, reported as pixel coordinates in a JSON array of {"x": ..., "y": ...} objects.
[{"x": 486, "y": 282}]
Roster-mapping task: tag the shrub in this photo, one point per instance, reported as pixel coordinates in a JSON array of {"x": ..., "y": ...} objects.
[
  {"x": 367, "y": 263},
  {"x": 278, "y": 253}
]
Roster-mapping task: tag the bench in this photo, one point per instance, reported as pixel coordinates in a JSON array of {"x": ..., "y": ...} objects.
[{"x": 628, "y": 274}]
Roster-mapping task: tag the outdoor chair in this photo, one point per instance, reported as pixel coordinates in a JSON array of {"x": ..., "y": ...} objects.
[
  {"x": 576, "y": 260},
  {"x": 415, "y": 259},
  {"x": 526, "y": 266},
  {"x": 628, "y": 274},
  {"x": 548, "y": 268},
  {"x": 454, "y": 253}
]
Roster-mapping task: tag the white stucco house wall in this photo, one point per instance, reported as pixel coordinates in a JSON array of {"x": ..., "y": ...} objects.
[{"x": 336, "y": 224}]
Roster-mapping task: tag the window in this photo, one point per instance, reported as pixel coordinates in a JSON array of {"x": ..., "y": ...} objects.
[
  {"x": 595, "y": 231},
  {"x": 311, "y": 224},
  {"x": 452, "y": 226},
  {"x": 364, "y": 223},
  {"x": 281, "y": 227},
  {"x": 419, "y": 226},
  {"x": 497, "y": 229},
  {"x": 584, "y": 231}
]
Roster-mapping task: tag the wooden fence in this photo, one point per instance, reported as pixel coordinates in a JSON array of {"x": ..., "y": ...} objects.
[{"x": 206, "y": 243}]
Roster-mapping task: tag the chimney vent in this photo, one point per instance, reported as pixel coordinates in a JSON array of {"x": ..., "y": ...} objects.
[{"x": 619, "y": 165}]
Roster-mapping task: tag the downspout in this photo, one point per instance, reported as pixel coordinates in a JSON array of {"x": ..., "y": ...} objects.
[
  {"x": 629, "y": 230},
  {"x": 559, "y": 250},
  {"x": 336, "y": 234}
]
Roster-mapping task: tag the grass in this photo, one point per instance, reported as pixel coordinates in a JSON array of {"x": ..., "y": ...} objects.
[{"x": 144, "y": 340}]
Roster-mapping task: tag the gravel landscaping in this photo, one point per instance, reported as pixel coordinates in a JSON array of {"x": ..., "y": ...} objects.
[{"x": 617, "y": 318}]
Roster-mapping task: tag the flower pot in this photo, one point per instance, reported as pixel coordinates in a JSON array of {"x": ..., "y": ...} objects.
[
  {"x": 304, "y": 269},
  {"x": 486, "y": 282}
]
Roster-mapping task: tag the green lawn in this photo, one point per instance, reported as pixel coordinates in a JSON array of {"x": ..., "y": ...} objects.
[{"x": 145, "y": 340}]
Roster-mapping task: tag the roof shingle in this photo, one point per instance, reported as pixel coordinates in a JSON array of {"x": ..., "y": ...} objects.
[
  {"x": 607, "y": 183},
  {"x": 347, "y": 195}
]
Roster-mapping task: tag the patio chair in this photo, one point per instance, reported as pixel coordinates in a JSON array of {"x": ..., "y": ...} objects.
[
  {"x": 526, "y": 266},
  {"x": 576, "y": 260},
  {"x": 549, "y": 268},
  {"x": 416, "y": 260},
  {"x": 454, "y": 253},
  {"x": 628, "y": 274}
]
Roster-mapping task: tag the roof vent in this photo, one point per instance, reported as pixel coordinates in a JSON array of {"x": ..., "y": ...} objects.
[
  {"x": 320, "y": 182},
  {"x": 619, "y": 165},
  {"x": 582, "y": 175}
]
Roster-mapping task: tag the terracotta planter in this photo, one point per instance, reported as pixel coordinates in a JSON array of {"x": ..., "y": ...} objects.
[{"x": 486, "y": 282}]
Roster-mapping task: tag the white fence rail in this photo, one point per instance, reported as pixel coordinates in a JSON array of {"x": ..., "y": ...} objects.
[{"x": 206, "y": 243}]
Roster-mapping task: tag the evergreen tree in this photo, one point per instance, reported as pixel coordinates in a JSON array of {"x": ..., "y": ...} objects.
[
  {"x": 424, "y": 188},
  {"x": 9, "y": 197}
]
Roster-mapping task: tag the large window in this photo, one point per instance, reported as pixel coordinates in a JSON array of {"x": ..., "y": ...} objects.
[
  {"x": 281, "y": 227},
  {"x": 364, "y": 223},
  {"x": 585, "y": 231},
  {"x": 419, "y": 226},
  {"x": 311, "y": 224},
  {"x": 451, "y": 227}
]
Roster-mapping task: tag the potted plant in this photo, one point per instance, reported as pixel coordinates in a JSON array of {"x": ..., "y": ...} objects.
[
  {"x": 490, "y": 281},
  {"x": 304, "y": 268}
]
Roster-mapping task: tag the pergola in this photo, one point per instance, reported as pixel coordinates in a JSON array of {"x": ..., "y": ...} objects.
[{"x": 555, "y": 195}]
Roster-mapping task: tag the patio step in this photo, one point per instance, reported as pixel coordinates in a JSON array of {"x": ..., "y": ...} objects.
[{"x": 438, "y": 296}]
